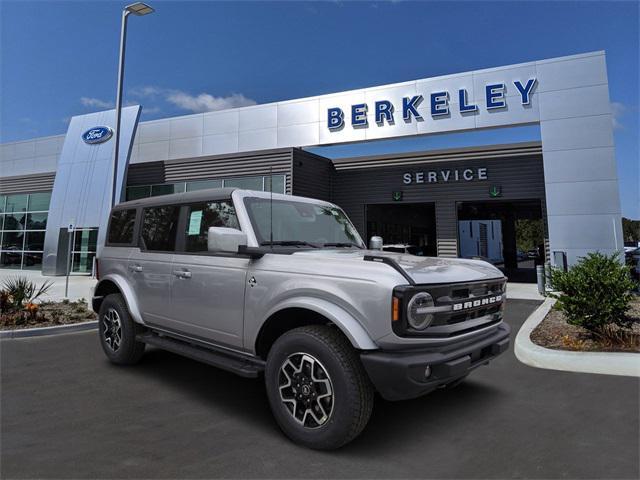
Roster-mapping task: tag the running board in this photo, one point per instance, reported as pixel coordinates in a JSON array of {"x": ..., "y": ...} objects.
[{"x": 235, "y": 363}]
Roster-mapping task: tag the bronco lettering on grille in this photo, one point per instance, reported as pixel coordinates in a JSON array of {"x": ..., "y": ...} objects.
[{"x": 476, "y": 303}]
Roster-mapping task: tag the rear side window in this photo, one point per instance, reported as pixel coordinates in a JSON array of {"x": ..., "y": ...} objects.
[
  {"x": 159, "y": 226},
  {"x": 204, "y": 215},
  {"x": 121, "y": 226}
]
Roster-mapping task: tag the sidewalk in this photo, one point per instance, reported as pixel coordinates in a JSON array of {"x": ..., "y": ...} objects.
[{"x": 79, "y": 285}]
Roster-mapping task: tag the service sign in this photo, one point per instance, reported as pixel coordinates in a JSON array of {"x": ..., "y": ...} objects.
[{"x": 97, "y": 135}]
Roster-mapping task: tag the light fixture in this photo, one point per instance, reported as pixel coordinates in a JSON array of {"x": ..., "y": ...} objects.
[{"x": 139, "y": 8}]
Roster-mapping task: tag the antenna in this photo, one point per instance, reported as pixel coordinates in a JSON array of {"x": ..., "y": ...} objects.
[{"x": 271, "y": 206}]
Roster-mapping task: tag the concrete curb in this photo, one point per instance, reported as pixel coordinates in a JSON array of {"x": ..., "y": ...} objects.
[
  {"x": 608, "y": 363},
  {"x": 55, "y": 330}
]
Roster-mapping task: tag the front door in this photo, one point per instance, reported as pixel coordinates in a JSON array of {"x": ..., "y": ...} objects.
[
  {"x": 207, "y": 289},
  {"x": 149, "y": 265}
]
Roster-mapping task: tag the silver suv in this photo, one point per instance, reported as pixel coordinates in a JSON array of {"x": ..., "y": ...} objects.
[{"x": 283, "y": 287}]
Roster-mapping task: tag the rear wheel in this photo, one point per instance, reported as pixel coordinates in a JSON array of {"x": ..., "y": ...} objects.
[
  {"x": 318, "y": 390},
  {"x": 118, "y": 331}
]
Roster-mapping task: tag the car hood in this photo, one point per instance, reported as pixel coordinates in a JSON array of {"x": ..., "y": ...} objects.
[{"x": 421, "y": 269}]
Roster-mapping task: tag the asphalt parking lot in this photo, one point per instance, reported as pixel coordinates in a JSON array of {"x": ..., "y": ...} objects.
[{"x": 67, "y": 413}]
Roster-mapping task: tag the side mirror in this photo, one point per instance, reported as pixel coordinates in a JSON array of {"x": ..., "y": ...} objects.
[
  {"x": 222, "y": 239},
  {"x": 375, "y": 243}
]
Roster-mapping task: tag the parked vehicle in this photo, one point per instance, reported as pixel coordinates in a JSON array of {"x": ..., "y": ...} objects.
[{"x": 282, "y": 287}]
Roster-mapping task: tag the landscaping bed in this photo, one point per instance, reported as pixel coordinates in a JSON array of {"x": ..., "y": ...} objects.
[
  {"x": 48, "y": 314},
  {"x": 554, "y": 332},
  {"x": 22, "y": 306}
]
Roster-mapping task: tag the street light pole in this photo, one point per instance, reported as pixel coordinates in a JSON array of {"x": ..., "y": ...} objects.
[{"x": 137, "y": 9}]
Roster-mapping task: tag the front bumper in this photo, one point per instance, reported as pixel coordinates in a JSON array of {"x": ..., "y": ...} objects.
[{"x": 401, "y": 375}]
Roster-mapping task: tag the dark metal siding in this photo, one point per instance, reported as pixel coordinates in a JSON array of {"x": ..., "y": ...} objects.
[
  {"x": 147, "y": 173},
  {"x": 278, "y": 162},
  {"x": 42, "y": 182},
  {"x": 312, "y": 175},
  {"x": 520, "y": 177}
]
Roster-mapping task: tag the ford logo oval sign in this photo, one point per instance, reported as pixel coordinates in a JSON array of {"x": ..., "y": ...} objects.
[{"x": 97, "y": 135}]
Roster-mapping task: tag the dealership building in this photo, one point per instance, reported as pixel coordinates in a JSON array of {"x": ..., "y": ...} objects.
[{"x": 516, "y": 205}]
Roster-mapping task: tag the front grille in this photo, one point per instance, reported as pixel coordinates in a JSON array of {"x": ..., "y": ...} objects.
[{"x": 476, "y": 312}]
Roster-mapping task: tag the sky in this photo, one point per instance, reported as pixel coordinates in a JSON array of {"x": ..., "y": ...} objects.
[{"x": 59, "y": 59}]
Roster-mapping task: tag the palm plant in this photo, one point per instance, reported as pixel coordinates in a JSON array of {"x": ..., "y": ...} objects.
[{"x": 20, "y": 291}]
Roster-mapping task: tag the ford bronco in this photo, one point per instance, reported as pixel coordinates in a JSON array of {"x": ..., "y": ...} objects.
[{"x": 283, "y": 287}]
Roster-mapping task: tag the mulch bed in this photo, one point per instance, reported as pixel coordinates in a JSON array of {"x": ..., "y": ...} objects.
[
  {"x": 555, "y": 333},
  {"x": 49, "y": 314}
]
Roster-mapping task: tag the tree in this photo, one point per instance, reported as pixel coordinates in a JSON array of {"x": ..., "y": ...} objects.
[{"x": 630, "y": 230}]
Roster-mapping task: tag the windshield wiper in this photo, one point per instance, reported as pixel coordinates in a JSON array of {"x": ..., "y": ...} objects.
[
  {"x": 340, "y": 244},
  {"x": 289, "y": 243}
]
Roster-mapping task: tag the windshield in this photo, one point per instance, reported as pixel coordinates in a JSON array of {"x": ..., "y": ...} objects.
[{"x": 300, "y": 224}]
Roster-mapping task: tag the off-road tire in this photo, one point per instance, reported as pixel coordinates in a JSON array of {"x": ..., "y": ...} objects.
[
  {"x": 352, "y": 391},
  {"x": 130, "y": 350}
]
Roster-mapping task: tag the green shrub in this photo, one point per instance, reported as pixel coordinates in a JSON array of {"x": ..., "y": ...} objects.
[{"x": 595, "y": 292}]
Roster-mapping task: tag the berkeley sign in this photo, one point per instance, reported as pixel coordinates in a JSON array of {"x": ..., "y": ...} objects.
[{"x": 384, "y": 110}]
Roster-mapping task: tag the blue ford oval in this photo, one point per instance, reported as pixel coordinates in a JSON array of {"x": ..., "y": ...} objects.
[{"x": 97, "y": 135}]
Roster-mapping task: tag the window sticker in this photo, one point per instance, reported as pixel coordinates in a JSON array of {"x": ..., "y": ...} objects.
[{"x": 195, "y": 220}]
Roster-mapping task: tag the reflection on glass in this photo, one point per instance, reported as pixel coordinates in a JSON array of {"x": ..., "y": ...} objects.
[
  {"x": 32, "y": 261},
  {"x": 16, "y": 203},
  {"x": 39, "y": 201},
  {"x": 34, "y": 241},
  {"x": 10, "y": 259},
  {"x": 167, "y": 189},
  {"x": 3, "y": 201},
  {"x": 12, "y": 240},
  {"x": 278, "y": 183},
  {"x": 14, "y": 221},
  {"x": 83, "y": 262},
  {"x": 202, "y": 184},
  {"x": 37, "y": 221},
  {"x": 247, "y": 183},
  {"x": 85, "y": 240},
  {"x": 134, "y": 193}
]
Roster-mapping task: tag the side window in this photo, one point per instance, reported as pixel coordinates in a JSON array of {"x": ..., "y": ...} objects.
[
  {"x": 159, "y": 227},
  {"x": 121, "y": 226},
  {"x": 204, "y": 215}
]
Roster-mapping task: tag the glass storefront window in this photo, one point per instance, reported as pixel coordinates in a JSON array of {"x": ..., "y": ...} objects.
[
  {"x": 37, "y": 221},
  {"x": 32, "y": 261},
  {"x": 278, "y": 183},
  {"x": 83, "y": 262},
  {"x": 34, "y": 241},
  {"x": 14, "y": 221},
  {"x": 248, "y": 183},
  {"x": 11, "y": 259},
  {"x": 12, "y": 240},
  {"x": 17, "y": 203},
  {"x": 167, "y": 189},
  {"x": 85, "y": 240},
  {"x": 39, "y": 202},
  {"x": 202, "y": 184},
  {"x": 134, "y": 193},
  {"x": 259, "y": 183},
  {"x": 23, "y": 221}
]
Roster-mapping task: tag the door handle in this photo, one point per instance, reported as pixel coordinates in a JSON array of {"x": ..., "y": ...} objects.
[
  {"x": 135, "y": 268},
  {"x": 182, "y": 273}
]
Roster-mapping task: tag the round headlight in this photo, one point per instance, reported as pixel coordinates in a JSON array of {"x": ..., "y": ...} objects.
[{"x": 417, "y": 307}]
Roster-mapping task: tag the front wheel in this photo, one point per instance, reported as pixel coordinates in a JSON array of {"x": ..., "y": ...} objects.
[{"x": 318, "y": 390}]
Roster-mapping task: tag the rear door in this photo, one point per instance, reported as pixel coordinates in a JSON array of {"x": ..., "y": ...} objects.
[
  {"x": 149, "y": 265},
  {"x": 207, "y": 289}
]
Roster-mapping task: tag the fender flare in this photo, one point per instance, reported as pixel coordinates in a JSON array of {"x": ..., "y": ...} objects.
[
  {"x": 127, "y": 293},
  {"x": 347, "y": 324}
]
